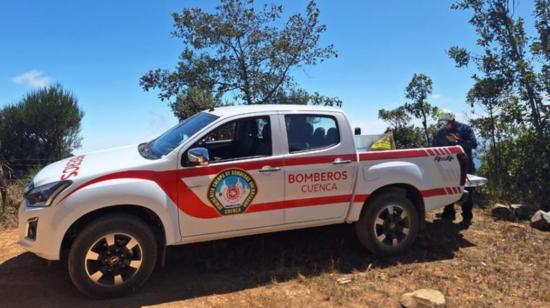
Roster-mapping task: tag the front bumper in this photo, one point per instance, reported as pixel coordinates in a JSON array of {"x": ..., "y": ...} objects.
[{"x": 36, "y": 233}]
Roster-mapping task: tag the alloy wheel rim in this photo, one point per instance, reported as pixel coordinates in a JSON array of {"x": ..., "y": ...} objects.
[
  {"x": 391, "y": 225},
  {"x": 113, "y": 259}
]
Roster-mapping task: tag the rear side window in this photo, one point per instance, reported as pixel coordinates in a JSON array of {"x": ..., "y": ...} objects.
[{"x": 309, "y": 132}]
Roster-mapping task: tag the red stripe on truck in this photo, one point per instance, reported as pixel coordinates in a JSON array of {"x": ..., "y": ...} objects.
[
  {"x": 360, "y": 198},
  {"x": 268, "y": 206},
  {"x": 276, "y": 162},
  {"x": 170, "y": 181},
  {"x": 413, "y": 153},
  {"x": 433, "y": 192},
  {"x": 456, "y": 149}
]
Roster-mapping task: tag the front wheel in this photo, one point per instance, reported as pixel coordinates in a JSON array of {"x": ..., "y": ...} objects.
[
  {"x": 112, "y": 256},
  {"x": 389, "y": 224}
]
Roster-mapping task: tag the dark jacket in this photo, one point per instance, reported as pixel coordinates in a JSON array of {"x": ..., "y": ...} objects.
[{"x": 467, "y": 140}]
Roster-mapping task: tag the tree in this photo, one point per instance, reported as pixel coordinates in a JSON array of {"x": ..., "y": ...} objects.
[
  {"x": 3, "y": 190},
  {"x": 41, "y": 128},
  {"x": 417, "y": 92},
  {"x": 292, "y": 96},
  {"x": 493, "y": 124},
  {"x": 396, "y": 118},
  {"x": 506, "y": 54},
  {"x": 240, "y": 51},
  {"x": 317, "y": 99},
  {"x": 510, "y": 90},
  {"x": 541, "y": 45},
  {"x": 194, "y": 100},
  {"x": 406, "y": 136},
  {"x": 302, "y": 97},
  {"x": 191, "y": 101}
]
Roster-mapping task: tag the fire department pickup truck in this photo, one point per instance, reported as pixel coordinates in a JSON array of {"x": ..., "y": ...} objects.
[{"x": 228, "y": 172}]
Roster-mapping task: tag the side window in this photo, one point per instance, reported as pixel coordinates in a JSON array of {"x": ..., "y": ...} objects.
[
  {"x": 242, "y": 138},
  {"x": 309, "y": 132},
  {"x": 224, "y": 133}
]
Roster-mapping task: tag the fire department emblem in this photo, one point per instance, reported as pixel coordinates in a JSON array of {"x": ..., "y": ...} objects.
[{"x": 232, "y": 191}]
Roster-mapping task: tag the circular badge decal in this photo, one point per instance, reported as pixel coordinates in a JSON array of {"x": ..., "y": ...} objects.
[{"x": 232, "y": 191}]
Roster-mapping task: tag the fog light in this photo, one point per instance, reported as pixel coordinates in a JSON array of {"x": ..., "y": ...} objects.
[{"x": 32, "y": 226}]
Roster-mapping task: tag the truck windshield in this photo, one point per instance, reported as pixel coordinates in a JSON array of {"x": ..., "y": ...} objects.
[{"x": 175, "y": 136}]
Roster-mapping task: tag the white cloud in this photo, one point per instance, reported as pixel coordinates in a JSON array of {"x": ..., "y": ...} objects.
[
  {"x": 33, "y": 78},
  {"x": 436, "y": 96}
]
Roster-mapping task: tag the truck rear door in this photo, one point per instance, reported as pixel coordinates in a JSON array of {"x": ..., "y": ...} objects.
[{"x": 319, "y": 167}]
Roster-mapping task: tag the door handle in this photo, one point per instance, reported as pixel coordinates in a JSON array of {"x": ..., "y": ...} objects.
[
  {"x": 340, "y": 161},
  {"x": 269, "y": 169}
]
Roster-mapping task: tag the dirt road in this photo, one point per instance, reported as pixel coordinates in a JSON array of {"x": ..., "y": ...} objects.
[{"x": 499, "y": 264}]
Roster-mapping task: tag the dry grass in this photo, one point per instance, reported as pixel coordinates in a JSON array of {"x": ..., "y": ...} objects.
[
  {"x": 8, "y": 215},
  {"x": 491, "y": 264}
]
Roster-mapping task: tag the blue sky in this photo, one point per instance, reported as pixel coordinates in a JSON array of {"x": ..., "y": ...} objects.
[{"x": 99, "y": 50}]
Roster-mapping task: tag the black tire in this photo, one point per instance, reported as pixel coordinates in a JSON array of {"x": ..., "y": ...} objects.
[
  {"x": 114, "y": 259},
  {"x": 386, "y": 236}
]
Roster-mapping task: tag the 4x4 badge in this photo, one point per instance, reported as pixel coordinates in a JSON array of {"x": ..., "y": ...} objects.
[
  {"x": 232, "y": 191},
  {"x": 439, "y": 158}
]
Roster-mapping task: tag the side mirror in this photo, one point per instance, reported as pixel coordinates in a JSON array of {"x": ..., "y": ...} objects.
[{"x": 198, "y": 156}]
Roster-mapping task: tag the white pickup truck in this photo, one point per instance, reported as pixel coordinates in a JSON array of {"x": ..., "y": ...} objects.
[{"x": 228, "y": 172}]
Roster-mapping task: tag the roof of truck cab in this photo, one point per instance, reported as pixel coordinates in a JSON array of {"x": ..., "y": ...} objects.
[{"x": 227, "y": 111}]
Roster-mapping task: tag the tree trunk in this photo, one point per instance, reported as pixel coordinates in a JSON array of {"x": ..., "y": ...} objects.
[
  {"x": 535, "y": 108},
  {"x": 496, "y": 152},
  {"x": 426, "y": 131},
  {"x": 3, "y": 190},
  {"x": 526, "y": 85}
]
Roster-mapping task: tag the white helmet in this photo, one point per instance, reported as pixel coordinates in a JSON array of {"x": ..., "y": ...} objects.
[{"x": 446, "y": 116}]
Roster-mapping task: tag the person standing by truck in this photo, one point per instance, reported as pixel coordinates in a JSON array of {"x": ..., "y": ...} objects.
[{"x": 451, "y": 133}]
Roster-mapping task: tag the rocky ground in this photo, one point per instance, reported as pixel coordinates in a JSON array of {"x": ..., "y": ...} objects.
[{"x": 491, "y": 264}]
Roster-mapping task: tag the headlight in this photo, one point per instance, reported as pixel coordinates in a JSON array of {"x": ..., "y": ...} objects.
[{"x": 44, "y": 195}]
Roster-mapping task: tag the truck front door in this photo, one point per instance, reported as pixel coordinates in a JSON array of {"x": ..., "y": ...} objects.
[{"x": 239, "y": 187}]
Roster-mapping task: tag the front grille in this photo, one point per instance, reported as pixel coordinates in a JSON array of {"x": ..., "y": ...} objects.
[{"x": 32, "y": 227}]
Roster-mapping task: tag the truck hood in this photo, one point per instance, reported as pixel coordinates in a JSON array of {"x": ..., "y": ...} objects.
[{"x": 90, "y": 165}]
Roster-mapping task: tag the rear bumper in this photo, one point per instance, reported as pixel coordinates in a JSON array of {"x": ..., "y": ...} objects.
[
  {"x": 475, "y": 181},
  {"x": 472, "y": 181}
]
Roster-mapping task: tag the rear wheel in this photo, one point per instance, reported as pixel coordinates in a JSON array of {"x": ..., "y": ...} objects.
[
  {"x": 112, "y": 256},
  {"x": 389, "y": 224}
]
